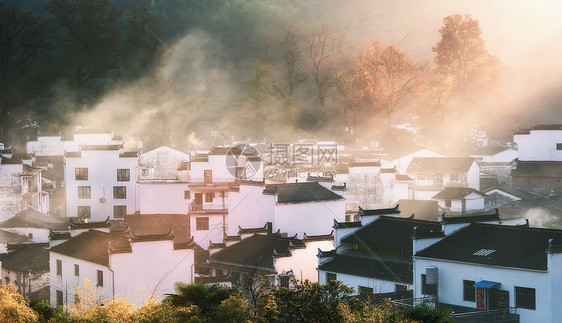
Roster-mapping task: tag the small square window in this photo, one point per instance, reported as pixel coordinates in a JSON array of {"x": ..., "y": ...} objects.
[
  {"x": 330, "y": 277},
  {"x": 525, "y": 298},
  {"x": 144, "y": 172},
  {"x": 81, "y": 174},
  {"x": 119, "y": 211},
  {"x": 201, "y": 223},
  {"x": 30, "y": 235},
  {"x": 84, "y": 212},
  {"x": 119, "y": 192},
  {"x": 559, "y": 146},
  {"x": 365, "y": 291},
  {"x": 399, "y": 288},
  {"x": 123, "y": 175},
  {"x": 84, "y": 192},
  {"x": 447, "y": 203},
  {"x": 186, "y": 195}
]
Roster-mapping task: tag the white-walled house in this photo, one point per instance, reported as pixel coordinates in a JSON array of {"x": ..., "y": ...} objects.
[
  {"x": 164, "y": 162},
  {"x": 460, "y": 200},
  {"x": 487, "y": 267},
  {"x": 100, "y": 181},
  {"x": 163, "y": 196},
  {"x": 263, "y": 253},
  {"x": 125, "y": 265},
  {"x": 401, "y": 158},
  {"x": 374, "y": 255},
  {"x": 34, "y": 225},
  {"x": 539, "y": 143},
  {"x": 433, "y": 174}
]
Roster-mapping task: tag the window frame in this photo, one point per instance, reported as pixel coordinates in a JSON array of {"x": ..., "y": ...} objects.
[
  {"x": 187, "y": 195},
  {"x": 59, "y": 267},
  {"x": 81, "y": 173},
  {"x": 467, "y": 295},
  {"x": 120, "y": 214},
  {"x": 84, "y": 192},
  {"x": 523, "y": 292},
  {"x": 76, "y": 270},
  {"x": 123, "y": 175},
  {"x": 119, "y": 192},
  {"x": 209, "y": 197},
  {"x": 331, "y": 277},
  {"x": 84, "y": 207},
  {"x": 60, "y": 298},
  {"x": 202, "y": 223},
  {"x": 366, "y": 291},
  {"x": 99, "y": 275}
]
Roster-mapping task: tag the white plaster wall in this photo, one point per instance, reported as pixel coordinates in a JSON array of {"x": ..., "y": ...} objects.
[
  {"x": 165, "y": 161},
  {"x": 451, "y": 276},
  {"x": 46, "y": 146},
  {"x": 163, "y": 198},
  {"x": 102, "y": 177},
  {"x": 39, "y": 235},
  {"x": 402, "y": 163},
  {"x": 506, "y": 156},
  {"x": 214, "y": 234},
  {"x": 473, "y": 176},
  {"x": 249, "y": 208},
  {"x": 10, "y": 201},
  {"x": 10, "y": 175},
  {"x": 303, "y": 262},
  {"x": 539, "y": 145},
  {"x": 67, "y": 282},
  {"x": 151, "y": 269},
  {"x": 378, "y": 286},
  {"x": 314, "y": 218}
]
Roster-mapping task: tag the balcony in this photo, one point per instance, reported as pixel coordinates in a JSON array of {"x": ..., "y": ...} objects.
[{"x": 207, "y": 208}]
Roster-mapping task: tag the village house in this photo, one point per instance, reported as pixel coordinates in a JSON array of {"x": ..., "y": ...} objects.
[
  {"x": 100, "y": 180},
  {"x": 121, "y": 264},
  {"x": 460, "y": 200},
  {"x": 496, "y": 163},
  {"x": 433, "y": 174},
  {"x": 514, "y": 270},
  {"x": 34, "y": 225}
]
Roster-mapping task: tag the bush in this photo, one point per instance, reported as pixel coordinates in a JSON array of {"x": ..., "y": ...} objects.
[{"x": 13, "y": 307}]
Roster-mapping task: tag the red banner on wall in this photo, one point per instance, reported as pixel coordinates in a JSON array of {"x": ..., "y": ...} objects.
[{"x": 480, "y": 298}]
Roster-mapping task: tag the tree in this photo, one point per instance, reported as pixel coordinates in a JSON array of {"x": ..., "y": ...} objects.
[
  {"x": 90, "y": 45},
  {"x": 325, "y": 48},
  {"x": 13, "y": 307},
  {"x": 141, "y": 48},
  {"x": 461, "y": 55},
  {"x": 388, "y": 76},
  {"x": 206, "y": 297},
  {"x": 291, "y": 53}
]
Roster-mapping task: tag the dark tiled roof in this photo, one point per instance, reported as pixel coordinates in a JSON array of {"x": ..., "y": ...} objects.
[
  {"x": 513, "y": 246},
  {"x": 73, "y": 154},
  {"x": 93, "y": 131},
  {"x": 10, "y": 161},
  {"x": 344, "y": 225},
  {"x": 538, "y": 169},
  {"x": 129, "y": 154},
  {"x": 390, "y": 232},
  {"x": 369, "y": 267},
  {"x": 456, "y": 193},
  {"x": 365, "y": 164},
  {"x": 403, "y": 177},
  {"x": 512, "y": 190},
  {"x": 440, "y": 165},
  {"x": 146, "y": 224},
  {"x": 25, "y": 258},
  {"x": 538, "y": 127},
  {"x": 301, "y": 192},
  {"x": 389, "y": 170},
  {"x": 422, "y": 209},
  {"x": 255, "y": 251},
  {"x": 476, "y": 217},
  {"x": 90, "y": 246},
  {"x": 11, "y": 238},
  {"x": 89, "y": 225},
  {"x": 392, "y": 210},
  {"x": 30, "y": 218}
]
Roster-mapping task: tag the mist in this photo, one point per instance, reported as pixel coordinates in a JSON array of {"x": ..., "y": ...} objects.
[{"x": 199, "y": 83}]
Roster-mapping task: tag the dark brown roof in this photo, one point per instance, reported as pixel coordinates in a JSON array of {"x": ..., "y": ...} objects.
[
  {"x": 365, "y": 164},
  {"x": 100, "y": 147},
  {"x": 90, "y": 246},
  {"x": 403, "y": 177},
  {"x": 129, "y": 154},
  {"x": 89, "y": 225},
  {"x": 301, "y": 192},
  {"x": 73, "y": 154},
  {"x": 507, "y": 246},
  {"x": 390, "y": 232},
  {"x": 538, "y": 169},
  {"x": 476, "y": 217},
  {"x": 11, "y": 238},
  {"x": 440, "y": 165},
  {"x": 456, "y": 193},
  {"x": 146, "y": 224},
  {"x": 27, "y": 257}
]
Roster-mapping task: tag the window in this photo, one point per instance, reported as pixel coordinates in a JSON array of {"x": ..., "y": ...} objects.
[
  {"x": 119, "y": 211},
  {"x": 525, "y": 298},
  {"x": 30, "y": 235},
  {"x": 201, "y": 223},
  {"x": 330, "y": 277},
  {"x": 144, "y": 172},
  {"x": 186, "y": 195},
  {"x": 209, "y": 197},
  {"x": 76, "y": 270},
  {"x": 81, "y": 174},
  {"x": 84, "y": 212},
  {"x": 365, "y": 291},
  {"x": 119, "y": 192},
  {"x": 208, "y": 176},
  {"x": 399, "y": 288},
  {"x": 123, "y": 175},
  {"x": 426, "y": 288},
  {"x": 100, "y": 278},
  {"x": 469, "y": 291},
  {"x": 447, "y": 203},
  {"x": 59, "y": 267},
  {"x": 84, "y": 192},
  {"x": 59, "y": 298},
  {"x": 559, "y": 146}
]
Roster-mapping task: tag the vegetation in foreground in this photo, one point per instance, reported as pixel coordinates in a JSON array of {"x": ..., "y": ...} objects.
[{"x": 307, "y": 302}]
